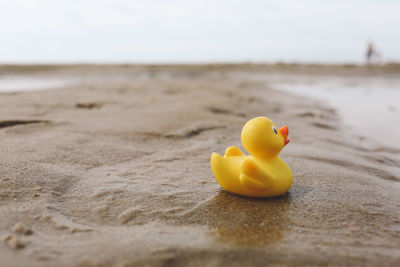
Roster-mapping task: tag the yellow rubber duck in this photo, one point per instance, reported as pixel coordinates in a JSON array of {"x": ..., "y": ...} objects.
[{"x": 263, "y": 173}]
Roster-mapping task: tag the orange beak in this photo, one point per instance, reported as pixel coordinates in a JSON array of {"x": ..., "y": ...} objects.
[{"x": 285, "y": 132}]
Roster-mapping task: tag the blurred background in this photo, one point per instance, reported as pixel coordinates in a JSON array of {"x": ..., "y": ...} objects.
[
  {"x": 178, "y": 31},
  {"x": 294, "y": 39}
]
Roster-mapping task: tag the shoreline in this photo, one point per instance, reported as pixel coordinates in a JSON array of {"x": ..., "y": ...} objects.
[
  {"x": 306, "y": 68},
  {"x": 123, "y": 167}
]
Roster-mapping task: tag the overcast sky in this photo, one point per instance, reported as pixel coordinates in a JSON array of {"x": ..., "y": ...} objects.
[{"x": 197, "y": 31}]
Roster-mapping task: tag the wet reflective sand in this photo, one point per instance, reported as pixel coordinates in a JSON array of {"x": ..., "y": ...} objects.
[{"x": 118, "y": 173}]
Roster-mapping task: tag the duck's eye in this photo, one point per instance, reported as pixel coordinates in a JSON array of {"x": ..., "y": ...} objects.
[{"x": 273, "y": 129}]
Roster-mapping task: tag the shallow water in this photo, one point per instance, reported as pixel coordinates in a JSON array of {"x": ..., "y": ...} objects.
[
  {"x": 13, "y": 83},
  {"x": 368, "y": 105},
  {"x": 370, "y": 108}
]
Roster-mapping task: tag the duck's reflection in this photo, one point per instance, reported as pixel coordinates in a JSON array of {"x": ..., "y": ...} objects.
[{"x": 246, "y": 221}]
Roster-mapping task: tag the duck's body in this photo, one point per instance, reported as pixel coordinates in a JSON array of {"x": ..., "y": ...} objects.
[
  {"x": 263, "y": 173},
  {"x": 230, "y": 173}
]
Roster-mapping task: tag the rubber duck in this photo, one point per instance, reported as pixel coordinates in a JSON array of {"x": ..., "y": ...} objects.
[{"x": 262, "y": 173}]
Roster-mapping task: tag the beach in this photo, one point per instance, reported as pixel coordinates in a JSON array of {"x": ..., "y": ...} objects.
[{"x": 109, "y": 165}]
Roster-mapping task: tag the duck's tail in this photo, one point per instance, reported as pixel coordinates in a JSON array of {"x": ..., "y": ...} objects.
[{"x": 226, "y": 170}]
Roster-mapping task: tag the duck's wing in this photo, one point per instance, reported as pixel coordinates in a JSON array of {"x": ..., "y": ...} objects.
[
  {"x": 233, "y": 151},
  {"x": 255, "y": 177},
  {"x": 251, "y": 183}
]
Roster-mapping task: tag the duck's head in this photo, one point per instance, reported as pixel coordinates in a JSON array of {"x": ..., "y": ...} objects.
[{"x": 262, "y": 138}]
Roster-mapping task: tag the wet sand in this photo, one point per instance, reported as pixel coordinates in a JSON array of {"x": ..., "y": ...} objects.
[{"x": 113, "y": 170}]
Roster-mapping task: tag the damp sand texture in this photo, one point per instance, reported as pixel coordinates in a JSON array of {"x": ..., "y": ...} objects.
[{"x": 117, "y": 173}]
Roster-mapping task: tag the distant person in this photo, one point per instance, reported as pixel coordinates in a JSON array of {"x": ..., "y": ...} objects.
[
  {"x": 370, "y": 52},
  {"x": 373, "y": 56}
]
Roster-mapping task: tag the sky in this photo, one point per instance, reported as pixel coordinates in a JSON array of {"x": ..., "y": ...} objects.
[{"x": 177, "y": 31}]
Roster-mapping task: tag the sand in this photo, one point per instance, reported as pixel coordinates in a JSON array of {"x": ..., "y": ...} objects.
[{"x": 113, "y": 170}]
